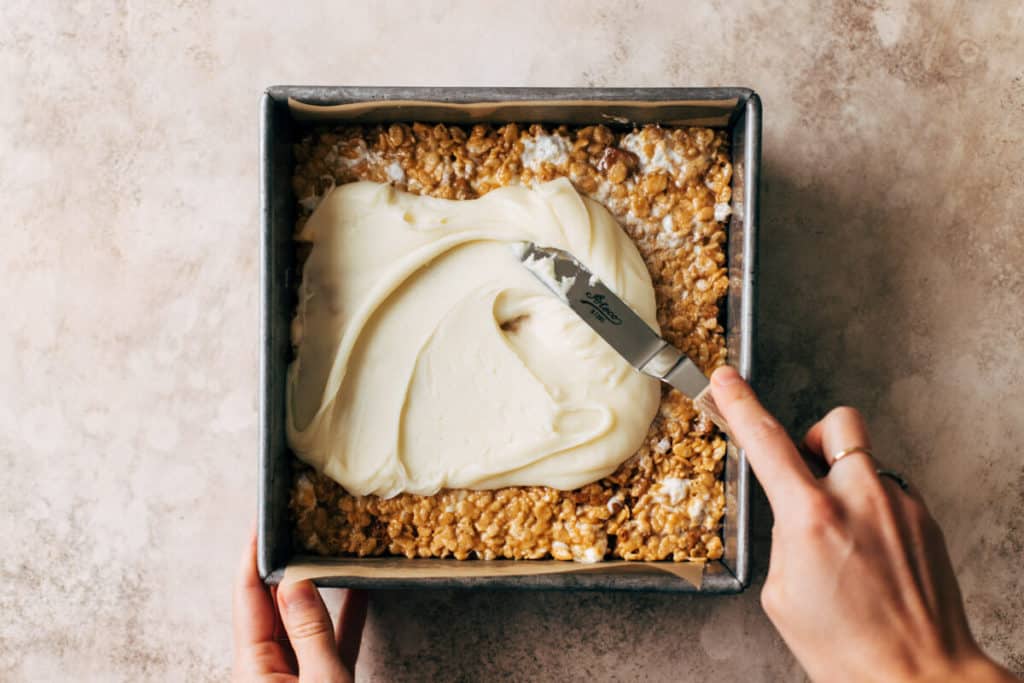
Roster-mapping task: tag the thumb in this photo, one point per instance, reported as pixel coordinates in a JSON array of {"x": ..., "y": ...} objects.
[{"x": 310, "y": 633}]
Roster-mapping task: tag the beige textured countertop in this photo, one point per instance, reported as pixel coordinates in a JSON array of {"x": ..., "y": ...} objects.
[{"x": 892, "y": 279}]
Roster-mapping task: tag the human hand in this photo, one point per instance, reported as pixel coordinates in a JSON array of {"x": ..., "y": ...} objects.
[
  {"x": 308, "y": 648},
  {"x": 860, "y": 585}
]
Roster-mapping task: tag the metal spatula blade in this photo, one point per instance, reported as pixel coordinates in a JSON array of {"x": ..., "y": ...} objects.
[{"x": 619, "y": 325}]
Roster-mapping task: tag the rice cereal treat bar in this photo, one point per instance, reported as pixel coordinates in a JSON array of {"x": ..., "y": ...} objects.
[{"x": 670, "y": 190}]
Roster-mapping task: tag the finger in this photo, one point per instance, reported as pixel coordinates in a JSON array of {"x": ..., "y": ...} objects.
[
  {"x": 349, "y": 632},
  {"x": 842, "y": 429},
  {"x": 853, "y": 478},
  {"x": 928, "y": 558},
  {"x": 310, "y": 632},
  {"x": 909, "y": 491},
  {"x": 280, "y": 635},
  {"x": 949, "y": 608},
  {"x": 771, "y": 453},
  {"x": 846, "y": 425},
  {"x": 254, "y": 618}
]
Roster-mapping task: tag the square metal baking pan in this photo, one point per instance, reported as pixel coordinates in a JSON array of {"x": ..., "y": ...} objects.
[{"x": 736, "y": 109}]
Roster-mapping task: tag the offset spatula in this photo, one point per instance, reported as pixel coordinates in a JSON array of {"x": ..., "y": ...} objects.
[{"x": 619, "y": 325}]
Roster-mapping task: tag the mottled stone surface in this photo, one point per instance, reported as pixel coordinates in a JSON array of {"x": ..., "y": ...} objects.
[{"x": 892, "y": 279}]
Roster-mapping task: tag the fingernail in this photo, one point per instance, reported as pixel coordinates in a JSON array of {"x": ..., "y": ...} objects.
[
  {"x": 298, "y": 596},
  {"x": 725, "y": 376}
]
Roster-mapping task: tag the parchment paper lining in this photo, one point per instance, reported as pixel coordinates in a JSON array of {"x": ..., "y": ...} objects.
[
  {"x": 404, "y": 568},
  {"x": 669, "y": 113}
]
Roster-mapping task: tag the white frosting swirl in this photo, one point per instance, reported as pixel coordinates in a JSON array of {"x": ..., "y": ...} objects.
[{"x": 429, "y": 358}]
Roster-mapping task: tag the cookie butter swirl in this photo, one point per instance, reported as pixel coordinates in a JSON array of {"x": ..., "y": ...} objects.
[{"x": 429, "y": 358}]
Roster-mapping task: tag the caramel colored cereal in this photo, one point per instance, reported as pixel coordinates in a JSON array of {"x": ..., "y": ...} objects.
[{"x": 670, "y": 190}]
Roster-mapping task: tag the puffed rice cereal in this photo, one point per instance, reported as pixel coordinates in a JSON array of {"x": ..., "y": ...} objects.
[{"x": 670, "y": 189}]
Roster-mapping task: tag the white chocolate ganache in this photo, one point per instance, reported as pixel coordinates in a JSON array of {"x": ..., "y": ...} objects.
[{"x": 428, "y": 357}]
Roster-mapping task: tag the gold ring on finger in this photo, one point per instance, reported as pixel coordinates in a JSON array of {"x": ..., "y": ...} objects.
[{"x": 850, "y": 451}]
